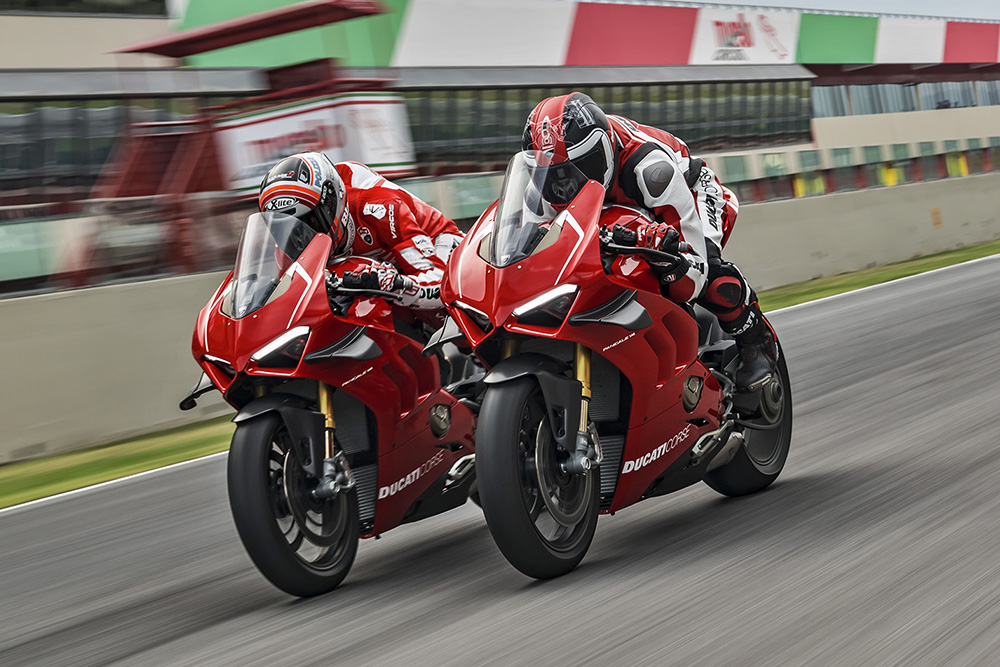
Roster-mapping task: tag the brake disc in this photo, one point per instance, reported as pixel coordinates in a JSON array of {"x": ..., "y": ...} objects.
[{"x": 566, "y": 496}]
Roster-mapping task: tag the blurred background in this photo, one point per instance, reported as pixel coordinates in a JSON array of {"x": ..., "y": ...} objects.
[{"x": 133, "y": 135}]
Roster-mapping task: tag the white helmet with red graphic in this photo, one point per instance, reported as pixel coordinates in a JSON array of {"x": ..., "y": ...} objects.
[{"x": 307, "y": 186}]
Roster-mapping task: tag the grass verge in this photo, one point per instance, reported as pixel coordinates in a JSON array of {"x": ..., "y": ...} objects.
[
  {"x": 38, "y": 478},
  {"x": 790, "y": 295},
  {"x": 29, "y": 480}
]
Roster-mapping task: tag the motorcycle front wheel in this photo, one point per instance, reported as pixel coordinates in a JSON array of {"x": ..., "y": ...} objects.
[
  {"x": 303, "y": 545},
  {"x": 541, "y": 518}
]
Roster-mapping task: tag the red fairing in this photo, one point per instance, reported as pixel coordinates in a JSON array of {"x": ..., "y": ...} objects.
[
  {"x": 655, "y": 360},
  {"x": 399, "y": 386}
]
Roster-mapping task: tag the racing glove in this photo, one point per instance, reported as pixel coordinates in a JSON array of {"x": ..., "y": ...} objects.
[
  {"x": 385, "y": 279},
  {"x": 661, "y": 236}
]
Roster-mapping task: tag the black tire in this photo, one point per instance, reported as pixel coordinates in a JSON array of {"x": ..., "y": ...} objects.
[
  {"x": 511, "y": 424},
  {"x": 302, "y": 545},
  {"x": 761, "y": 457}
]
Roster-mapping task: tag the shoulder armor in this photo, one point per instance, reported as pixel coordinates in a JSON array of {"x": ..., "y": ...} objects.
[{"x": 655, "y": 175}]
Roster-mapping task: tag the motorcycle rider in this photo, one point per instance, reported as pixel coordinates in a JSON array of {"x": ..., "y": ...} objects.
[
  {"x": 365, "y": 214},
  {"x": 645, "y": 167}
]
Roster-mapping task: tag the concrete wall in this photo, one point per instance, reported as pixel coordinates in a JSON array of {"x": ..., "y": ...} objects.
[
  {"x": 73, "y": 42},
  {"x": 91, "y": 366},
  {"x": 937, "y": 125},
  {"x": 777, "y": 243}
]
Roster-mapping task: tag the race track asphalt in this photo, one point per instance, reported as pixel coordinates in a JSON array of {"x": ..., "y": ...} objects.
[{"x": 879, "y": 544}]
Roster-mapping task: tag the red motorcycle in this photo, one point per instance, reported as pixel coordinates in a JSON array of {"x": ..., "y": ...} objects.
[
  {"x": 343, "y": 427},
  {"x": 600, "y": 391}
]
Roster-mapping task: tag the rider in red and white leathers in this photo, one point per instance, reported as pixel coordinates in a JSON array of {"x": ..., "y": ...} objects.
[
  {"x": 367, "y": 215},
  {"x": 651, "y": 169}
]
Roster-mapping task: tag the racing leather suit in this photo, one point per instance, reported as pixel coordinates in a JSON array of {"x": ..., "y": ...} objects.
[
  {"x": 655, "y": 171},
  {"x": 389, "y": 224}
]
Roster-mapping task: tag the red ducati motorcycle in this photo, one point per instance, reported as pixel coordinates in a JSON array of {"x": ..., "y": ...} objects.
[
  {"x": 600, "y": 391},
  {"x": 343, "y": 428}
]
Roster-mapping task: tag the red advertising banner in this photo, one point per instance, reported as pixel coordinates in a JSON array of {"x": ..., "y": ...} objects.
[
  {"x": 614, "y": 34},
  {"x": 971, "y": 42}
]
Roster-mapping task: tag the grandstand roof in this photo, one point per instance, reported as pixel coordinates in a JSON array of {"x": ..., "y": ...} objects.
[{"x": 256, "y": 26}]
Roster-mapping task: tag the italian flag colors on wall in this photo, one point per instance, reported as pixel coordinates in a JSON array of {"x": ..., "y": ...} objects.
[{"x": 524, "y": 33}]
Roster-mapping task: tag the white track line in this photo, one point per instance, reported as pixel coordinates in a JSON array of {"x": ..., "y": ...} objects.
[
  {"x": 92, "y": 487},
  {"x": 100, "y": 485},
  {"x": 888, "y": 282}
]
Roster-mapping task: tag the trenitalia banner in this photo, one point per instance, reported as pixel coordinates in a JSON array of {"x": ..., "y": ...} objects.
[
  {"x": 364, "y": 127},
  {"x": 744, "y": 37}
]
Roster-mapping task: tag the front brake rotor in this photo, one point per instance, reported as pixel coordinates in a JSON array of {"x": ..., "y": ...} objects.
[{"x": 566, "y": 496}]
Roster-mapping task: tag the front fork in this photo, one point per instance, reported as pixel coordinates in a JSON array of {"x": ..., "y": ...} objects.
[
  {"x": 337, "y": 475},
  {"x": 588, "y": 447}
]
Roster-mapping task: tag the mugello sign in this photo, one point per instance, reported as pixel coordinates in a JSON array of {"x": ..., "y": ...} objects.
[
  {"x": 607, "y": 34},
  {"x": 744, "y": 37}
]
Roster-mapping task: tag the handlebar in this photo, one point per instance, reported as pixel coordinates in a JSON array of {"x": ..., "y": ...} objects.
[
  {"x": 640, "y": 250},
  {"x": 335, "y": 284},
  {"x": 624, "y": 242}
]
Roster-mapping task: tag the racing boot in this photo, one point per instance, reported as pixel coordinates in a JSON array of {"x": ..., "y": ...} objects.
[{"x": 758, "y": 353}]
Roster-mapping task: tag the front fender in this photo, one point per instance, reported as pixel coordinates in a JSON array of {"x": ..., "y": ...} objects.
[
  {"x": 562, "y": 394},
  {"x": 306, "y": 427}
]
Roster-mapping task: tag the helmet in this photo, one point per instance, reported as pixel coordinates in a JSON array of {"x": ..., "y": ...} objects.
[
  {"x": 571, "y": 128},
  {"x": 307, "y": 186}
]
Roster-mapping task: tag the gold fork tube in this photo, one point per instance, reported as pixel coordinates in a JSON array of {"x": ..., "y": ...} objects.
[
  {"x": 508, "y": 348},
  {"x": 324, "y": 397},
  {"x": 581, "y": 370}
]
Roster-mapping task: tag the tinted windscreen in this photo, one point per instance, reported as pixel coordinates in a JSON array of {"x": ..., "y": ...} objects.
[
  {"x": 527, "y": 217},
  {"x": 270, "y": 244}
]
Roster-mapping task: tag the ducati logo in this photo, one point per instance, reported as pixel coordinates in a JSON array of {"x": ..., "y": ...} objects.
[
  {"x": 417, "y": 473},
  {"x": 635, "y": 464},
  {"x": 365, "y": 235},
  {"x": 375, "y": 210}
]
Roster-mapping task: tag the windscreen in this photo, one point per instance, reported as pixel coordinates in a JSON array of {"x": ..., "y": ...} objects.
[
  {"x": 270, "y": 244},
  {"x": 528, "y": 216}
]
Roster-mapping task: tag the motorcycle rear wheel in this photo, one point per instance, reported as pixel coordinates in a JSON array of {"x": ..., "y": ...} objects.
[
  {"x": 303, "y": 545},
  {"x": 517, "y": 466},
  {"x": 761, "y": 457}
]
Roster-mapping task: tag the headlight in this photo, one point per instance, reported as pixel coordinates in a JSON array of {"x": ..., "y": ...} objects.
[
  {"x": 549, "y": 309},
  {"x": 285, "y": 351},
  {"x": 481, "y": 319}
]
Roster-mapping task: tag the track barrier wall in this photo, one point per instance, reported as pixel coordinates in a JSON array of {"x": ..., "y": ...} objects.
[{"x": 91, "y": 366}]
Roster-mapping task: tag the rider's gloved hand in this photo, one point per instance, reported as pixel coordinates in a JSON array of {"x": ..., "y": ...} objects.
[
  {"x": 384, "y": 278},
  {"x": 661, "y": 236}
]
